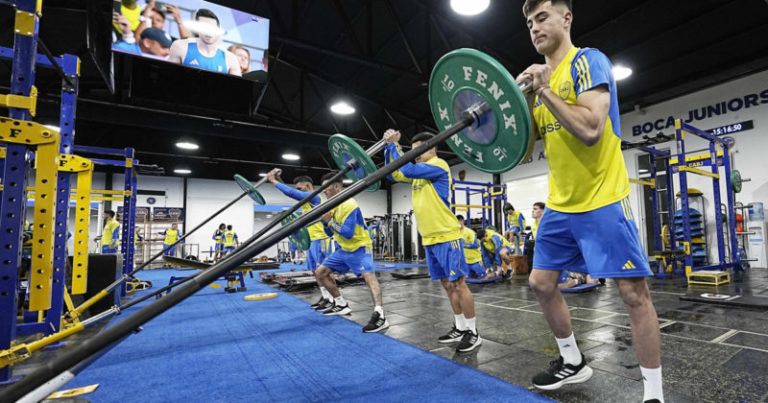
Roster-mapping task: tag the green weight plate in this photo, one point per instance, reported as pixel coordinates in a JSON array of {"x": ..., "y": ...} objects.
[
  {"x": 500, "y": 138},
  {"x": 736, "y": 181},
  {"x": 250, "y": 189},
  {"x": 343, "y": 149},
  {"x": 299, "y": 238}
]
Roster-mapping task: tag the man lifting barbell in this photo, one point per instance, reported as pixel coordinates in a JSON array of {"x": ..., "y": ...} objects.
[
  {"x": 430, "y": 179},
  {"x": 320, "y": 242},
  {"x": 587, "y": 225},
  {"x": 347, "y": 225}
]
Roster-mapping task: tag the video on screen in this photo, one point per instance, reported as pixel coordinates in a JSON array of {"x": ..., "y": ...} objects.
[{"x": 193, "y": 33}]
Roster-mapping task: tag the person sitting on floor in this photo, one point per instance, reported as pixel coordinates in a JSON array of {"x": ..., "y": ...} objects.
[
  {"x": 472, "y": 254},
  {"x": 497, "y": 251}
]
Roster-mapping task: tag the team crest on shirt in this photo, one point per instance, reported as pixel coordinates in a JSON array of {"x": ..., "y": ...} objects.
[{"x": 565, "y": 90}]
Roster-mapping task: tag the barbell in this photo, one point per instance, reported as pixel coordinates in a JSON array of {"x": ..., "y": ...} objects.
[
  {"x": 496, "y": 109},
  {"x": 463, "y": 81}
]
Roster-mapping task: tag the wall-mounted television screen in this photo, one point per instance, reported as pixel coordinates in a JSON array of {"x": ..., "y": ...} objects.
[{"x": 193, "y": 33}]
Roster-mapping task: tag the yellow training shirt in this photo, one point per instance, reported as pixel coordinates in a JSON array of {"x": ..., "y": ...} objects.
[
  {"x": 582, "y": 178},
  {"x": 349, "y": 227},
  {"x": 431, "y": 187},
  {"x": 471, "y": 246}
]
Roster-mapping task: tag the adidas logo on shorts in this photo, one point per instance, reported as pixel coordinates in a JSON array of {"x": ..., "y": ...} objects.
[{"x": 629, "y": 265}]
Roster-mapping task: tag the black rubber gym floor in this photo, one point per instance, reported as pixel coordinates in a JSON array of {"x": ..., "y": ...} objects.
[{"x": 710, "y": 353}]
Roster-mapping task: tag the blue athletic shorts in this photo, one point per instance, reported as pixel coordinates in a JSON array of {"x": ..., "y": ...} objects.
[
  {"x": 219, "y": 247},
  {"x": 228, "y": 249},
  {"x": 359, "y": 261},
  {"x": 169, "y": 252},
  {"x": 603, "y": 243},
  {"x": 108, "y": 251},
  {"x": 476, "y": 269},
  {"x": 319, "y": 250},
  {"x": 446, "y": 260}
]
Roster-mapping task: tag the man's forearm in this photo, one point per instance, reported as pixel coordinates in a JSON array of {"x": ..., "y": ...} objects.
[{"x": 576, "y": 119}]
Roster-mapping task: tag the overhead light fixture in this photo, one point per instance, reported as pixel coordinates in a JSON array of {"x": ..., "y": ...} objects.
[
  {"x": 291, "y": 157},
  {"x": 186, "y": 145},
  {"x": 347, "y": 181},
  {"x": 621, "y": 72},
  {"x": 182, "y": 171},
  {"x": 642, "y": 171},
  {"x": 342, "y": 108},
  {"x": 470, "y": 7}
]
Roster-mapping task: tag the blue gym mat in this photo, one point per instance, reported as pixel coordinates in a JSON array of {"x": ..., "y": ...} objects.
[{"x": 217, "y": 347}]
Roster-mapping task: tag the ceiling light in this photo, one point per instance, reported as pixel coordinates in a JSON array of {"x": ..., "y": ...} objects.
[
  {"x": 469, "y": 7},
  {"x": 263, "y": 174},
  {"x": 52, "y": 127},
  {"x": 621, "y": 72},
  {"x": 186, "y": 145},
  {"x": 342, "y": 108},
  {"x": 291, "y": 157},
  {"x": 642, "y": 171},
  {"x": 182, "y": 171},
  {"x": 347, "y": 181}
]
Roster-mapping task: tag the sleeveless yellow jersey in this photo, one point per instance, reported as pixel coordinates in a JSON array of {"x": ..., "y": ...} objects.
[
  {"x": 431, "y": 186},
  {"x": 229, "y": 238},
  {"x": 582, "y": 178},
  {"x": 349, "y": 227},
  {"x": 171, "y": 235},
  {"x": 132, "y": 15},
  {"x": 516, "y": 220},
  {"x": 471, "y": 246}
]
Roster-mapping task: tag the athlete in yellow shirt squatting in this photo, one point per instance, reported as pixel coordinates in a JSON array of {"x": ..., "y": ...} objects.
[
  {"x": 347, "y": 226},
  {"x": 430, "y": 181},
  {"x": 587, "y": 226}
]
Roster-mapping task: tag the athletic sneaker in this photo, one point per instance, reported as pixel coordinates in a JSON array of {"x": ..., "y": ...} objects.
[
  {"x": 319, "y": 302},
  {"x": 469, "y": 341},
  {"x": 324, "y": 306},
  {"x": 376, "y": 323},
  {"x": 560, "y": 373},
  {"x": 337, "y": 310},
  {"x": 454, "y": 335}
]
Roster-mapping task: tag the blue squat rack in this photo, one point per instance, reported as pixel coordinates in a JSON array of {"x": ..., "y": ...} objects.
[{"x": 488, "y": 192}]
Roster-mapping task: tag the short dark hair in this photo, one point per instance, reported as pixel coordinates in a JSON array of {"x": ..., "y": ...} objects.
[
  {"x": 460, "y": 217},
  {"x": 110, "y": 213},
  {"x": 302, "y": 178},
  {"x": 155, "y": 9},
  {"x": 422, "y": 137},
  {"x": 330, "y": 176},
  {"x": 229, "y": 226},
  {"x": 508, "y": 206},
  {"x": 531, "y": 5},
  {"x": 204, "y": 12},
  {"x": 540, "y": 205},
  {"x": 481, "y": 233},
  {"x": 222, "y": 225}
]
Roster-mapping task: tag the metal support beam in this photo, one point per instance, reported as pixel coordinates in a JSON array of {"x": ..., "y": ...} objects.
[
  {"x": 393, "y": 14},
  {"x": 397, "y": 71},
  {"x": 348, "y": 27}
]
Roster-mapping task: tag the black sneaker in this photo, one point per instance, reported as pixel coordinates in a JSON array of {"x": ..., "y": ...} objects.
[
  {"x": 560, "y": 374},
  {"x": 337, "y": 310},
  {"x": 377, "y": 323},
  {"x": 319, "y": 302},
  {"x": 469, "y": 341},
  {"x": 324, "y": 306},
  {"x": 506, "y": 275},
  {"x": 454, "y": 335}
]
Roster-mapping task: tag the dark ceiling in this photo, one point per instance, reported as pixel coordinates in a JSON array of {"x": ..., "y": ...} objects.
[{"x": 378, "y": 54}]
